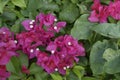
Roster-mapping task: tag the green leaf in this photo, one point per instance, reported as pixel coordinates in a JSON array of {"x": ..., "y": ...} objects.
[
  {"x": 83, "y": 8},
  {"x": 72, "y": 76},
  {"x": 16, "y": 27},
  {"x": 105, "y": 1},
  {"x": 19, "y": 3},
  {"x": 113, "y": 61},
  {"x": 83, "y": 61},
  {"x": 96, "y": 56},
  {"x": 34, "y": 4},
  {"x": 34, "y": 68},
  {"x": 69, "y": 13},
  {"x": 24, "y": 59},
  {"x": 14, "y": 65},
  {"x": 81, "y": 29},
  {"x": 41, "y": 76},
  {"x": 74, "y": 1},
  {"x": 8, "y": 15},
  {"x": 108, "y": 29},
  {"x": 56, "y": 77},
  {"x": 14, "y": 76},
  {"x": 79, "y": 71},
  {"x": 2, "y": 5},
  {"x": 50, "y": 6},
  {"x": 89, "y": 78}
]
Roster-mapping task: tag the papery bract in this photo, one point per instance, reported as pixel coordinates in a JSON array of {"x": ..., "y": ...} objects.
[
  {"x": 99, "y": 12},
  {"x": 114, "y": 9},
  {"x": 3, "y": 73}
]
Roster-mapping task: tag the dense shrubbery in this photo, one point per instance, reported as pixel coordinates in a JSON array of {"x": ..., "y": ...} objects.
[{"x": 59, "y": 39}]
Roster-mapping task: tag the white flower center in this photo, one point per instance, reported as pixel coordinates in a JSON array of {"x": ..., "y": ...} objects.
[
  {"x": 15, "y": 41},
  {"x": 55, "y": 20},
  {"x": 64, "y": 68},
  {"x": 69, "y": 43},
  {"x": 37, "y": 49},
  {"x": 68, "y": 66},
  {"x": 56, "y": 69},
  {"x": 31, "y": 26},
  {"x": 31, "y": 50},
  {"x": 52, "y": 51},
  {"x": 31, "y": 22},
  {"x": 55, "y": 27}
]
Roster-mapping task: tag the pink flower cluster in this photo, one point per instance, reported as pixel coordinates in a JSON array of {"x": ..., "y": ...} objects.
[
  {"x": 63, "y": 52},
  {"x": 39, "y": 33},
  {"x": 7, "y": 50},
  {"x": 100, "y": 12},
  {"x": 39, "y": 41},
  {"x": 59, "y": 53}
]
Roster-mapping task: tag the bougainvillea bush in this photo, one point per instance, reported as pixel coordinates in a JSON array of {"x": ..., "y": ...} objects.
[{"x": 59, "y": 40}]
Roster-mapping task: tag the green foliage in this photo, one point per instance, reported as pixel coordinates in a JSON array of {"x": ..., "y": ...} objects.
[
  {"x": 108, "y": 29},
  {"x": 19, "y": 3},
  {"x": 69, "y": 13},
  {"x": 96, "y": 56},
  {"x": 56, "y": 77},
  {"x": 101, "y": 40},
  {"x": 2, "y": 5},
  {"x": 113, "y": 60},
  {"x": 81, "y": 29}
]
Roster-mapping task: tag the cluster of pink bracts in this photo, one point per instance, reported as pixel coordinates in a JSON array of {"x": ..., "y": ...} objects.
[
  {"x": 59, "y": 53},
  {"x": 100, "y": 13}
]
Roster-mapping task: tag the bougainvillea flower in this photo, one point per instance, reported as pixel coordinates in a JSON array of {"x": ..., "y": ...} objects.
[
  {"x": 5, "y": 34},
  {"x": 5, "y": 31},
  {"x": 64, "y": 51},
  {"x": 42, "y": 58},
  {"x": 49, "y": 19},
  {"x": 28, "y": 24},
  {"x": 93, "y": 17},
  {"x": 96, "y": 5},
  {"x": 3, "y": 73},
  {"x": 73, "y": 46},
  {"x": 99, "y": 12},
  {"x": 5, "y": 56},
  {"x": 7, "y": 46},
  {"x": 59, "y": 26},
  {"x": 60, "y": 53},
  {"x": 65, "y": 63},
  {"x": 51, "y": 47},
  {"x": 50, "y": 64},
  {"x": 114, "y": 9},
  {"x": 46, "y": 19}
]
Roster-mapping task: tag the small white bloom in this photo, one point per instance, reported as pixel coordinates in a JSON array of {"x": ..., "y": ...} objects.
[
  {"x": 15, "y": 41},
  {"x": 31, "y": 50},
  {"x": 64, "y": 68},
  {"x": 52, "y": 51},
  {"x": 33, "y": 20},
  {"x": 56, "y": 69},
  {"x": 31, "y": 23},
  {"x": 69, "y": 43},
  {"x": 55, "y": 27},
  {"x": 31, "y": 26},
  {"x": 55, "y": 20},
  {"x": 68, "y": 66},
  {"x": 37, "y": 49}
]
